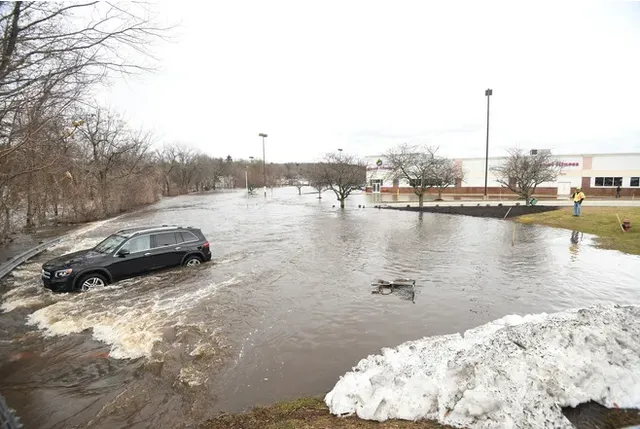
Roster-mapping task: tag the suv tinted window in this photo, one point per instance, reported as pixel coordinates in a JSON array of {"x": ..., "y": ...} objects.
[
  {"x": 138, "y": 244},
  {"x": 165, "y": 239},
  {"x": 185, "y": 236}
]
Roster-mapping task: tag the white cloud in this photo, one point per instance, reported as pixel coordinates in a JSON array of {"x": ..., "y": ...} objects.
[{"x": 364, "y": 75}]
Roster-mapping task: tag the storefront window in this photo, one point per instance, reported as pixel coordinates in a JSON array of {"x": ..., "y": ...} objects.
[
  {"x": 635, "y": 182},
  {"x": 608, "y": 181}
]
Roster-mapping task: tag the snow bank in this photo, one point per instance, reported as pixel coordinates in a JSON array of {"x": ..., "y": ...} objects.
[{"x": 515, "y": 372}]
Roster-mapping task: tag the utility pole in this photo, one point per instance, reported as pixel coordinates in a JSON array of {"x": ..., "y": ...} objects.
[
  {"x": 488, "y": 93},
  {"x": 264, "y": 164}
]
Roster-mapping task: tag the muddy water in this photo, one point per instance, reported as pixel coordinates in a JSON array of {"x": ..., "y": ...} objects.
[{"x": 285, "y": 308}]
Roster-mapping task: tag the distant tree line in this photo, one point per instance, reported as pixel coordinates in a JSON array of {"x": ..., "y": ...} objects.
[
  {"x": 66, "y": 158},
  {"x": 61, "y": 155}
]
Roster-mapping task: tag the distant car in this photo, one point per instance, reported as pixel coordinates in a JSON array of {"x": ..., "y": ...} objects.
[{"x": 127, "y": 253}]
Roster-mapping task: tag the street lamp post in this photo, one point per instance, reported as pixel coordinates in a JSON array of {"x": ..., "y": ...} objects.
[
  {"x": 488, "y": 93},
  {"x": 264, "y": 165}
]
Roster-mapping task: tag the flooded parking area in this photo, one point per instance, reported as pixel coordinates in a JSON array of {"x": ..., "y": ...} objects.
[{"x": 284, "y": 309}]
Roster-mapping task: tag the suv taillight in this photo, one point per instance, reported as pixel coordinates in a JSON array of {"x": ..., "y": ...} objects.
[{"x": 206, "y": 245}]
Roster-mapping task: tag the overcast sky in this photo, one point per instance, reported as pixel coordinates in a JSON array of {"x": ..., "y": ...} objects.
[{"x": 366, "y": 75}]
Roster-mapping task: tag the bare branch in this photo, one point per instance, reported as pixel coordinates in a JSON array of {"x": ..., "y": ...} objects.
[
  {"x": 343, "y": 174},
  {"x": 415, "y": 164},
  {"x": 522, "y": 173}
]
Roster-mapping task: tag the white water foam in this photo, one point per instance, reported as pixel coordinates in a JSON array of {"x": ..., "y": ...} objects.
[
  {"x": 26, "y": 271},
  {"x": 21, "y": 302},
  {"x": 29, "y": 293},
  {"x": 131, "y": 325},
  {"x": 76, "y": 240},
  {"x": 191, "y": 376},
  {"x": 515, "y": 372}
]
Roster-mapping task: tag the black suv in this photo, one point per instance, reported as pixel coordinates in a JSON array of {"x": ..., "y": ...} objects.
[{"x": 127, "y": 253}]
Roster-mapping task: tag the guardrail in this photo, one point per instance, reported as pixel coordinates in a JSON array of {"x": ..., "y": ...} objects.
[
  {"x": 8, "y": 420},
  {"x": 20, "y": 259}
]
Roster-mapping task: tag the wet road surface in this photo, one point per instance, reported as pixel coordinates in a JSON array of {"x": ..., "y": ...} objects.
[{"x": 284, "y": 310}]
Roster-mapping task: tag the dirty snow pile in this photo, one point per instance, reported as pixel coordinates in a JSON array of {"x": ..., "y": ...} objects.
[{"x": 515, "y": 372}]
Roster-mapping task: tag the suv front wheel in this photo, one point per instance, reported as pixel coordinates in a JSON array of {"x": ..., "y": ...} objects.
[{"x": 91, "y": 281}]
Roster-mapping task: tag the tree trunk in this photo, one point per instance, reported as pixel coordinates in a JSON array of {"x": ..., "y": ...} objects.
[
  {"x": 439, "y": 193},
  {"x": 342, "y": 202},
  {"x": 319, "y": 195},
  {"x": 299, "y": 190},
  {"x": 104, "y": 196},
  {"x": 7, "y": 220},
  {"x": 420, "y": 200},
  {"x": 29, "y": 224}
]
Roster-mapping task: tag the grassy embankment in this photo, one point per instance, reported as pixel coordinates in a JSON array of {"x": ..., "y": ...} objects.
[
  {"x": 306, "y": 413},
  {"x": 312, "y": 413},
  {"x": 600, "y": 221}
]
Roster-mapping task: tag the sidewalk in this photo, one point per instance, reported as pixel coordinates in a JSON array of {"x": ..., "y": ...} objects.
[{"x": 508, "y": 203}]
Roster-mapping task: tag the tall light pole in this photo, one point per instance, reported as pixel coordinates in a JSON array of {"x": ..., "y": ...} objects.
[
  {"x": 264, "y": 165},
  {"x": 488, "y": 93}
]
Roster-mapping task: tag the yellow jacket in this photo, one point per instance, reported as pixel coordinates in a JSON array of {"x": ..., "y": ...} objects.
[{"x": 578, "y": 196}]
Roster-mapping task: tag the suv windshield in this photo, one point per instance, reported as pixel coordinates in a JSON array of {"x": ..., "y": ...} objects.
[{"x": 110, "y": 244}]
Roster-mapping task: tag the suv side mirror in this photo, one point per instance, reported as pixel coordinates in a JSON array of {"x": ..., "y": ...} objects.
[{"x": 122, "y": 253}]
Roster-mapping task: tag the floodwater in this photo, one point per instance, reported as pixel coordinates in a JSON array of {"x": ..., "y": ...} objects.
[{"x": 284, "y": 310}]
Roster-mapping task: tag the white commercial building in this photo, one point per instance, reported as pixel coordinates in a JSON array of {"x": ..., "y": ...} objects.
[{"x": 597, "y": 174}]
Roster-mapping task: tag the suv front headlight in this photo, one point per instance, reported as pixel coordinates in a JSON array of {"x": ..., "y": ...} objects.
[{"x": 63, "y": 273}]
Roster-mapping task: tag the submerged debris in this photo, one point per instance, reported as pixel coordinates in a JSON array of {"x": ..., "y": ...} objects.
[{"x": 404, "y": 287}]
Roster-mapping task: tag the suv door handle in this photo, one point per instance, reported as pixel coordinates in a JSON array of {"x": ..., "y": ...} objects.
[
  {"x": 178, "y": 248},
  {"x": 147, "y": 254}
]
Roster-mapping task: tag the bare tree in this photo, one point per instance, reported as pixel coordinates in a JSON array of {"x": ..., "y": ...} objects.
[
  {"x": 297, "y": 180},
  {"x": 522, "y": 173},
  {"x": 444, "y": 173},
  {"x": 52, "y": 54},
  {"x": 166, "y": 160},
  {"x": 415, "y": 164},
  {"x": 215, "y": 169},
  {"x": 81, "y": 41},
  {"x": 317, "y": 179},
  {"x": 343, "y": 174},
  {"x": 112, "y": 151},
  {"x": 184, "y": 173}
]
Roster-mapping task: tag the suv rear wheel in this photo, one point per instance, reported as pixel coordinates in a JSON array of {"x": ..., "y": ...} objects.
[
  {"x": 91, "y": 281},
  {"x": 192, "y": 261}
]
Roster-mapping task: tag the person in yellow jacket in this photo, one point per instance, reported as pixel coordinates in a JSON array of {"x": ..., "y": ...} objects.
[{"x": 578, "y": 197}]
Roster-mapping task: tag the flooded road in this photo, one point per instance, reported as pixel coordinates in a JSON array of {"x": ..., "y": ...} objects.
[{"x": 284, "y": 310}]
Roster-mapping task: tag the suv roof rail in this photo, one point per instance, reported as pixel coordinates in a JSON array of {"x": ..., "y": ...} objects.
[{"x": 140, "y": 230}]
